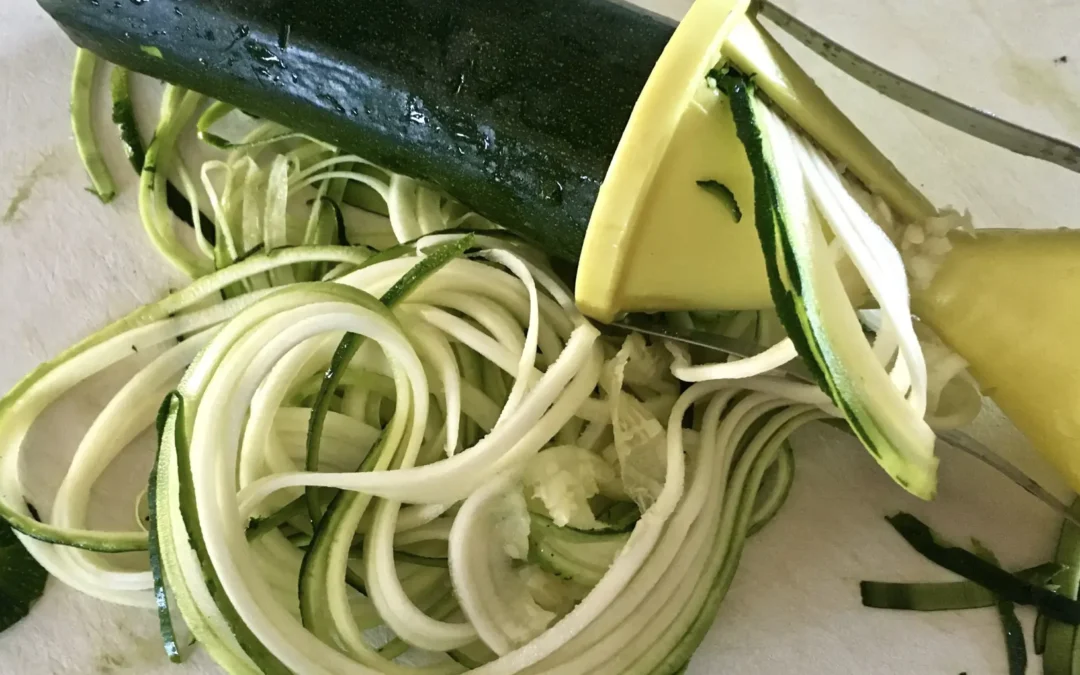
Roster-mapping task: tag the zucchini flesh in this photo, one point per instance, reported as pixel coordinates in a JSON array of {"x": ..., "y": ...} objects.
[{"x": 514, "y": 108}]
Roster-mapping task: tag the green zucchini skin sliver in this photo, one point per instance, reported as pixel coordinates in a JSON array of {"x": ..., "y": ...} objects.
[
  {"x": 1038, "y": 637},
  {"x": 724, "y": 194},
  {"x": 515, "y": 108},
  {"x": 943, "y": 596},
  {"x": 161, "y": 593},
  {"x": 127, "y": 126},
  {"x": 965, "y": 563}
]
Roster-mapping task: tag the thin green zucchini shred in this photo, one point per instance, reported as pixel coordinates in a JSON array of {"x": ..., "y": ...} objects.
[
  {"x": 570, "y": 554},
  {"x": 1059, "y": 653},
  {"x": 724, "y": 194},
  {"x": 941, "y": 596},
  {"x": 123, "y": 116},
  {"x": 260, "y": 526},
  {"x": 789, "y": 290},
  {"x": 570, "y": 533},
  {"x": 162, "y": 154},
  {"x": 1038, "y": 635},
  {"x": 1015, "y": 648},
  {"x": 620, "y": 516},
  {"x": 218, "y": 110},
  {"x": 349, "y": 344},
  {"x": 472, "y": 371},
  {"x": 182, "y": 209},
  {"x": 464, "y": 659},
  {"x": 355, "y": 581},
  {"x": 362, "y": 197},
  {"x": 254, "y": 250},
  {"x": 33, "y": 527},
  {"x": 970, "y": 566},
  {"x": 212, "y": 114},
  {"x": 784, "y": 471},
  {"x": 740, "y": 93},
  {"x": 82, "y": 81},
  {"x": 357, "y": 551},
  {"x": 161, "y": 592}
]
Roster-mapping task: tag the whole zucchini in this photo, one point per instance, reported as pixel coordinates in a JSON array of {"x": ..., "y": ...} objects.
[{"x": 514, "y": 107}]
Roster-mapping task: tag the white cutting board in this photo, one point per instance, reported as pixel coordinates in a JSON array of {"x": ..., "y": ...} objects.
[{"x": 68, "y": 265}]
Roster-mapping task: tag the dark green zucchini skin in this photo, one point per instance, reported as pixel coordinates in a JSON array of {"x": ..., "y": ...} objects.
[{"x": 513, "y": 106}]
